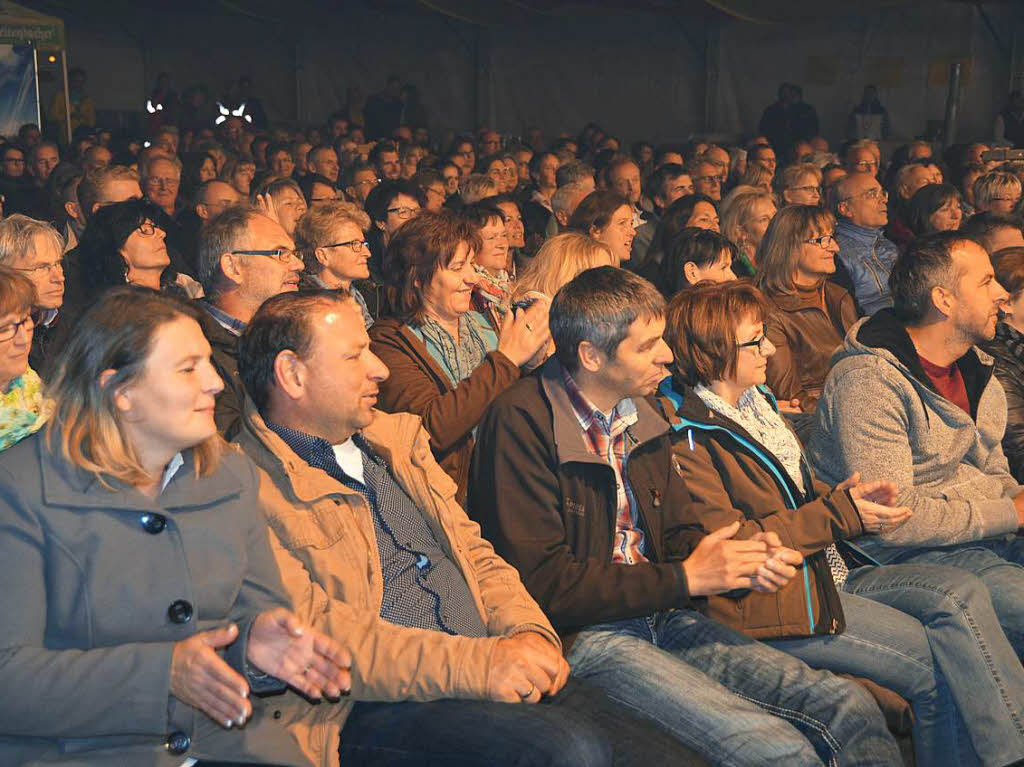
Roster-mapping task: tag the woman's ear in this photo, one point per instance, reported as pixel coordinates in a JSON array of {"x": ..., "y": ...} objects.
[
  {"x": 122, "y": 401},
  {"x": 691, "y": 272}
]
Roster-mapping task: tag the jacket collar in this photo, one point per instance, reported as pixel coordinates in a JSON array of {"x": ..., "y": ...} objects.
[
  {"x": 569, "y": 442},
  {"x": 390, "y": 436},
  {"x": 854, "y": 231},
  {"x": 69, "y": 486},
  {"x": 388, "y": 326}
]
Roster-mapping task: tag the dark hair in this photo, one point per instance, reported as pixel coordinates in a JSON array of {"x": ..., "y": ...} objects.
[
  {"x": 385, "y": 193},
  {"x": 661, "y": 178},
  {"x": 484, "y": 164},
  {"x": 700, "y": 329},
  {"x": 925, "y": 202},
  {"x": 99, "y": 252},
  {"x": 927, "y": 263},
  {"x": 599, "y": 306},
  {"x": 380, "y": 148},
  {"x": 281, "y": 323},
  {"x": 702, "y": 247},
  {"x": 536, "y": 160},
  {"x": 981, "y": 225},
  {"x": 479, "y": 214},
  {"x": 596, "y": 210},
  {"x": 420, "y": 247},
  {"x": 674, "y": 219},
  {"x": 1009, "y": 267},
  {"x": 191, "y": 165},
  {"x": 574, "y": 170},
  {"x": 348, "y": 178},
  {"x": 306, "y": 185}
]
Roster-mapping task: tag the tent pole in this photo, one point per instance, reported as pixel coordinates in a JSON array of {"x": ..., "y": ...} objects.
[
  {"x": 952, "y": 106},
  {"x": 67, "y": 95}
]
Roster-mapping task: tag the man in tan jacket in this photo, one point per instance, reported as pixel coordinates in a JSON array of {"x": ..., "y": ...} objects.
[{"x": 374, "y": 551}]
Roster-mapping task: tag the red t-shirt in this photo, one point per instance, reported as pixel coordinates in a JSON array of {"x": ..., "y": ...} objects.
[{"x": 949, "y": 382}]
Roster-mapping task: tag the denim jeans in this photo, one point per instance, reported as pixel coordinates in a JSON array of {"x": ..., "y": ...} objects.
[
  {"x": 889, "y": 647},
  {"x": 578, "y": 726},
  {"x": 997, "y": 561},
  {"x": 732, "y": 699},
  {"x": 968, "y": 647}
]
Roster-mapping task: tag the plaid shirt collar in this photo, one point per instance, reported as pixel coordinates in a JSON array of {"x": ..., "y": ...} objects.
[
  {"x": 623, "y": 415},
  {"x": 225, "y": 320}
]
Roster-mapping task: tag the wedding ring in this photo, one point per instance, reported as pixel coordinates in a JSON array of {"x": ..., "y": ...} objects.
[
  {"x": 529, "y": 327},
  {"x": 527, "y": 695}
]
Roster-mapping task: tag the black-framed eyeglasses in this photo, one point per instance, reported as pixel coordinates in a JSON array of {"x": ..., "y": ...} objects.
[
  {"x": 46, "y": 268},
  {"x": 355, "y": 245},
  {"x": 823, "y": 241},
  {"x": 762, "y": 344},
  {"x": 147, "y": 228},
  {"x": 404, "y": 213},
  {"x": 7, "y": 332},
  {"x": 284, "y": 256},
  {"x": 704, "y": 179}
]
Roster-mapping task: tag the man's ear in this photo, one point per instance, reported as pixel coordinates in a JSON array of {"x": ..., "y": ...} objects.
[
  {"x": 590, "y": 357},
  {"x": 290, "y": 374},
  {"x": 942, "y": 300}
]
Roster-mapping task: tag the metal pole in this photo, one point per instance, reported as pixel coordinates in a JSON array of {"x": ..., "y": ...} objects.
[
  {"x": 67, "y": 95},
  {"x": 952, "y": 106}
]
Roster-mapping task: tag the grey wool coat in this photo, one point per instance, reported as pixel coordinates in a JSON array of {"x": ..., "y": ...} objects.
[
  {"x": 879, "y": 414},
  {"x": 96, "y": 587}
]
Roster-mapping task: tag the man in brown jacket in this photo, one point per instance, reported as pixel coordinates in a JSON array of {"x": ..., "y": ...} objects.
[{"x": 374, "y": 551}]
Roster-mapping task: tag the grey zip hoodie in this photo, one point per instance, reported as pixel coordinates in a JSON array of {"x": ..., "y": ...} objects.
[{"x": 879, "y": 414}]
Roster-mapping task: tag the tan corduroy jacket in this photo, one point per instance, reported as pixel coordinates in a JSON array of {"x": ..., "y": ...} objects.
[{"x": 322, "y": 534}]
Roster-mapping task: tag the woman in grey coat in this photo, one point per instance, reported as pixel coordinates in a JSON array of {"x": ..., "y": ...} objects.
[{"x": 141, "y": 600}]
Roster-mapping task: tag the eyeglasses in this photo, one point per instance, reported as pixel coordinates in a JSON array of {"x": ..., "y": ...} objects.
[
  {"x": 367, "y": 181},
  {"x": 1014, "y": 200},
  {"x": 404, "y": 213},
  {"x": 40, "y": 269},
  {"x": 869, "y": 194},
  {"x": 823, "y": 241},
  {"x": 705, "y": 179},
  {"x": 7, "y": 332},
  {"x": 163, "y": 181},
  {"x": 356, "y": 245},
  {"x": 808, "y": 189},
  {"x": 147, "y": 228},
  {"x": 284, "y": 256},
  {"x": 865, "y": 165},
  {"x": 762, "y": 344}
]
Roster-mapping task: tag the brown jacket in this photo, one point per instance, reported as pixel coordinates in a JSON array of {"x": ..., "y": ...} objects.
[
  {"x": 322, "y": 535},
  {"x": 418, "y": 385},
  {"x": 805, "y": 335},
  {"x": 731, "y": 477}
]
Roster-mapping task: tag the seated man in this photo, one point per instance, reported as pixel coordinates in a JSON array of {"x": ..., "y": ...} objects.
[
  {"x": 865, "y": 255},
  {"x": 573, "y": 480},
  {"x": 374, "y": 551},
  {"x": 910, "y": 399}
]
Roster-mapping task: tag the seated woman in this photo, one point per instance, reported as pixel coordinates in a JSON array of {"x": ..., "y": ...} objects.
[
  {"x": 282, "y": 200},
  {"x": 1008, "y": 350},
  {"x": 514, "y": 227},
  {"x": 22, "y": 407},
  {"x": 692, "y": 210},
  {"x": 331, "y": 236},
  {"x": 799, "y": 184},
  {"x": 934, "y": 208},
  {"x": 607, "y": 217},
  {"x": 492, "y": 294},
  {"x": 693, "y": 256},
  {"x": 138, "y": 563},
  {"x": 927, "y": 633},
  {"x": 239, "y": 171},
  {"x": 810, "y": 314},
  {"x": 746, "y": 213},
  {"x": 447, "y": 363}
]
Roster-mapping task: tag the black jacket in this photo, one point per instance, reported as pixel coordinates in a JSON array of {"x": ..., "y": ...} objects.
[
  {"x": 224, "y": 356},
  {"x": 1007, "y": 348},
  {"x": 548, "y": 506}
]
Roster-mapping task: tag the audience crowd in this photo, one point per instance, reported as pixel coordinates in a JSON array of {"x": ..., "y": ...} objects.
[{"x": 335, "y": 446}]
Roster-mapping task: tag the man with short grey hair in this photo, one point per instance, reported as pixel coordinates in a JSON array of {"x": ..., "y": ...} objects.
[
  {"x": 161, "y": 179},
  {"x": 566, "y": 199},
  {"x": 860, "y": 206},
  {"x": 245, "y": 258}
]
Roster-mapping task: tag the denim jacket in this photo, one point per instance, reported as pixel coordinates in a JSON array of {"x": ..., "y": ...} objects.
[{"x": 868, "y": 256}]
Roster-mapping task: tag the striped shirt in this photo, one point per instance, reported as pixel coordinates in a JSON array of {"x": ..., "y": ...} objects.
[{"x": 607, "y": 437}]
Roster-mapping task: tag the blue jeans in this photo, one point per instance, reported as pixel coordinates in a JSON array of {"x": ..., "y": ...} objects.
[
  {"x": 732, "y": 699},
  {"x": 578, "y": 726},
  {"x": 997, "y": 562},
  {"x": 968, "y": 647}
]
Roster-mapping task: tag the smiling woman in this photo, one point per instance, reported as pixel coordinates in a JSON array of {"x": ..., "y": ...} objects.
[{"x": 22, "y": 408}]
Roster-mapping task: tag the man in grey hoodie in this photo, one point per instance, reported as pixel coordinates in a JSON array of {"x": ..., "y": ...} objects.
[{"x": 910, "y": 398}]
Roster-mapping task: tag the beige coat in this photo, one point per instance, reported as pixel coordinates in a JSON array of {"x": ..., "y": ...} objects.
[{"x": 322, "y": 534}]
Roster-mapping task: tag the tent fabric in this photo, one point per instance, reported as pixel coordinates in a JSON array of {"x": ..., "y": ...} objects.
[{"x": 20, "y": 25}]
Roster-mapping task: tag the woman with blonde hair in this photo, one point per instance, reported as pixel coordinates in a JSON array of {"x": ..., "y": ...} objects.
[
  {"x": 799, "y": 185},
  {"x": 137, "y": 561},
  {"x": 746, "y": 213},
  {"x": 558, "y": 261},
  {"x": 757, "y": 176},
  {"x": 811, "y": 314}
]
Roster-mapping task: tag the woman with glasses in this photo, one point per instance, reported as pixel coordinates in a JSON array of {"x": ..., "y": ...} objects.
[
  {"x": 331, "y": 237},
  {"x": 150, "y": 616},
  {"x": 799, "y": 185},
  {"x": 447, "y": 362},
  {"x": 22, "y": 407},
  {"x": 492, "y": 263},
  {"x": 811, "y": 314},
  {"x": 929, "y": 634}
]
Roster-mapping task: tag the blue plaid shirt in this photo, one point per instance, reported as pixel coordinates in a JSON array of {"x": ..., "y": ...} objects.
[{"x": 423, "y": 588}]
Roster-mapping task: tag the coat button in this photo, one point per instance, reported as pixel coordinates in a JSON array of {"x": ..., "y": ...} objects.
[
  {"x": 153, "y": 524},
  {"x": 178, "y": 743},
  {"x": 180, "y": 611},
  {"x": 277, "y": 714}
]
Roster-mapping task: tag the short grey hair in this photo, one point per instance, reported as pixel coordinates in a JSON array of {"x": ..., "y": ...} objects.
[
  {"x": 599, "y": 306},
  {"x": 476, "y": 187},
  {"x": 17, "y": 237},
  {"x": 145, "y": 168},
  {"x": 564, "y": 196},
  {"x": 228, "y": 231}
]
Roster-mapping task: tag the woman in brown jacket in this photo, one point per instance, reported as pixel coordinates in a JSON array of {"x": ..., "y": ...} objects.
[
  {"x": 447, "y": 363},
  {"x": 811, "y": 314},
  {"x": 897, "y": 625}
]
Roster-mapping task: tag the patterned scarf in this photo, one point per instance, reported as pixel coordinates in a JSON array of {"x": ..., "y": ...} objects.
[
  {"x": 496, "y": 291},
  {"x": 459, "y": 357},
  {"x": 23, "y": 409}
]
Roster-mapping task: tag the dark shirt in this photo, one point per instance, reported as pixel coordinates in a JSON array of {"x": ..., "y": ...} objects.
[
  {"x": 423, "y": 588},
  {"x": 949, "y": 382}
]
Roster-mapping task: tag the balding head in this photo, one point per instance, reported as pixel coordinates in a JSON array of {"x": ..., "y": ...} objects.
[
  {"x": 214, "y": 197},
  {"x": 860, "y": 199}
]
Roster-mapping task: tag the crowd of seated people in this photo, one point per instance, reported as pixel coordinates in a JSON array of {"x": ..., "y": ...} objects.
[{"x": 323, "y": 451}]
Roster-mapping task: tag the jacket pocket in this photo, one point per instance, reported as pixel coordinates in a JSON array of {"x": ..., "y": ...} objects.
[{"x": 319, "y": 527}]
